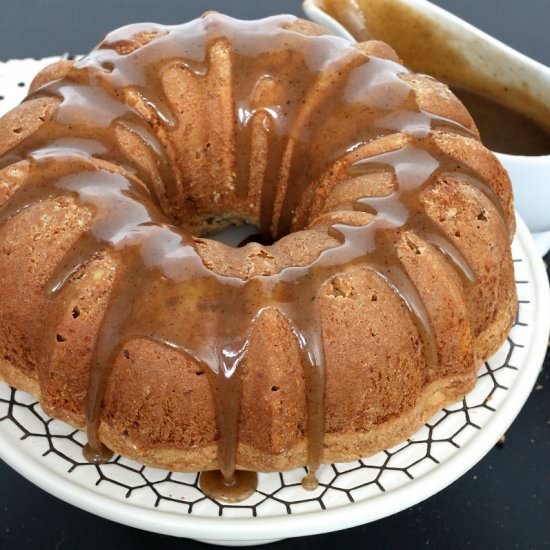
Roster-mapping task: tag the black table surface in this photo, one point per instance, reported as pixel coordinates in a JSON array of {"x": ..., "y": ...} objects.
[{"x": 504, "y": 502}]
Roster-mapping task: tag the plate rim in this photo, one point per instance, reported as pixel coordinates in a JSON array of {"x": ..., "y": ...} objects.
[{"x": 320, "y": 521}]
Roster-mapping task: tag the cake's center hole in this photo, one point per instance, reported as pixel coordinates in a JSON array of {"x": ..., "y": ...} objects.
[{"x": 237, "y": 236}]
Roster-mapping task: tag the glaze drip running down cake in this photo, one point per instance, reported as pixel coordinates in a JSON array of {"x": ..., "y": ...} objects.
[{"x": 389, "y": 280}]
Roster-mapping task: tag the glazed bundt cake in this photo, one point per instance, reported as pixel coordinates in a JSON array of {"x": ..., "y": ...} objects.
[{"x": 388, "y": 282}]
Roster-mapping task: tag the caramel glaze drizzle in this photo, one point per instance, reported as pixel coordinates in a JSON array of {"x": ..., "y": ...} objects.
[{"x": 310, "y": 100}]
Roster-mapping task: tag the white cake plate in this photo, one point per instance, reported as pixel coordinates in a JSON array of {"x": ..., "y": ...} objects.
[{"x": 48, "y": 452}]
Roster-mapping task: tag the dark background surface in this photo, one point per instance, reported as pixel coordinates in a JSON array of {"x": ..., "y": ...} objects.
[{"x": 504, "y": 502}]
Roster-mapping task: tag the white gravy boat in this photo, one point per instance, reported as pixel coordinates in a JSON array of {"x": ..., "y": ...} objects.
[{"x": 494, "y": 65}]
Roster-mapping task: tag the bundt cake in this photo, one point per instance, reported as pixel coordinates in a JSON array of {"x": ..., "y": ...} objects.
[{"x": 389, "y": 279}]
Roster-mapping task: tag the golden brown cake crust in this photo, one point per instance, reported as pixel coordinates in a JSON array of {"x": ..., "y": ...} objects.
[
  {"x": 379, "y": 383},
  {"x": 338, "y": 447}
]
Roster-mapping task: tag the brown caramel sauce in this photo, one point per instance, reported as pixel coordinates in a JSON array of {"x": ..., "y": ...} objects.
[
  {"x": 336, "y": 100},
  {"x": 425, "y": 48},
  {"x": 503, "y": 129},
  {"x": 310, "y": 481},
  {"x": 98, "y": 454},
  {"x": 240, "y": 486}
]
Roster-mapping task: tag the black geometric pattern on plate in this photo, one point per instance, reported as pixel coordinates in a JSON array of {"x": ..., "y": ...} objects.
[{"x": 278, "y": 493}]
